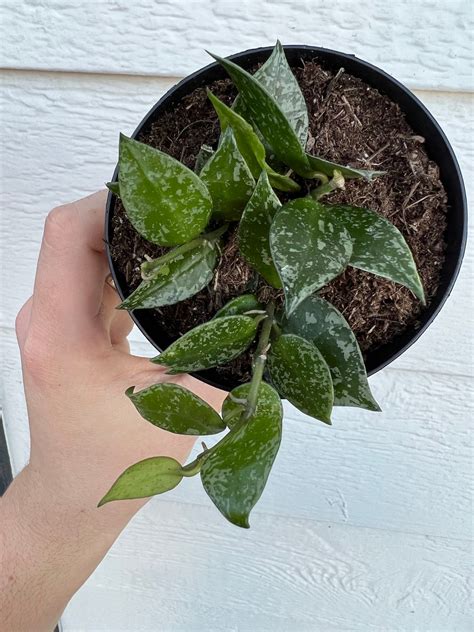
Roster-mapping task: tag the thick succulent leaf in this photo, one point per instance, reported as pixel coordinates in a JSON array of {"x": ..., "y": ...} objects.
[
  {"x": 320, "y": 322},
  {"x": 235, "y": 473},
  {"x": 174, "y": 408},
  {"x": 309, "y": 248},
  {"x": 249, "y": 144},
  {"x": 254, "y": 230},
  {"x": 301, "y": 375},
  {"x": 166, "y": 202},
  {"x": 327, "y": 167},
  {"x": 228, "y": 179},
  {"x": 277, "y": 77},
  {"x": 113, "y": 187},
  {"x": 379, "y": 247},
  {"x": 177, "y": 279},
  {"x": 239, "y": 305},
  {"x": 203, "y": 156},
  {"x": 146, "y": 478},
  {"x": 269, "y": 118},
  {"x": 215, "y": 342}
]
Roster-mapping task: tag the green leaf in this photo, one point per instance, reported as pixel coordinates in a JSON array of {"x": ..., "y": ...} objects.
[
  {"x": 203, "y": 156},
  {"x": 309, "y": 248},
  {"x": 327, "y": 167},
  {"x": 269, "y": 118},
  {"x": 254, "y": 230},
  {"x": 235, "y": 473},
  {"x": 146, "y": 478},
  {"x": 277, "y": 77},
  {"x": 249, "y": 144},
  {"x": 239, "y": 305},
  {"x": 320, "y": 322},
  {"x": 211, "y": 344},
  {"x": 174, "y": 408},
  {"x": 379, "y": 247},
  {"x": 178, "y": 278},
  {"x": 228, "y": 179},
  {"x": 113, "y": 187},
  {"x": 165, "y": 201},
  {"x": 301, "y": 375}
]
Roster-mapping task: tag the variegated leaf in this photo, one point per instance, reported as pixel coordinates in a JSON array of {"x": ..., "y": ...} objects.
[
  {"x": 301, "y": 375},
  {"x": 235, "y": 473},
  {"x": 165, "y": 201},
  {"x": 327, "y": 167},
  {"x": 321, "y": 323},
  {"x": 202, "y": 158},
  {"x": 309, "y": 248},
  {"x": 211, "y": 344},
  {"x": 240, "y": 305}
]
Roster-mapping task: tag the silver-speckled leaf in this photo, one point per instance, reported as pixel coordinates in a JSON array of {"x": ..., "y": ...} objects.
[
  {"x": 203, "y": 156},
  {"x": 174, "y": 408},
  {"x": 320, "y": 322},
  {"x": 302, "y": 376},
  {"x": 146, "y": 478},
  {"x": 327, "y": 167},
  {"x": 269, "y": 118},
  {"x": 249, "y": 144},
  {"x": 379, "y": 247},
  {"x": 239, "y": 305},
  {"x": 176, "y": 280},
  {"x": 228, "y": 179},
  {"x": 211, "y": 344},
  {"x": 308, "y": 248},
  {"x": 254, "y": 230},
  {"x": 235, "y": 473},
  {"x": 166, "y": 202}
]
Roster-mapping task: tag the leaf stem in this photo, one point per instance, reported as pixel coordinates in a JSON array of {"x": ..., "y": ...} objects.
[
  {"x": 336, "y": 182},
  {"x": 150, "y": 268},
  {"x": 259, "y": 365}
]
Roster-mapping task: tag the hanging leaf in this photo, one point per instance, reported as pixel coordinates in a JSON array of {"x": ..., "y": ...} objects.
[
  {"x": 239, "y": 305},
  {"x": 277, "y": 77},
  {"x": 301, "y": 375},
  {"x": 254, "y": 230},
  {"x": 309, "y": 248},
  {"x": 174, "y": 408},
  {"x": 269, "y": 118},
  {"x": 327, "y": 167},
  {"x": 113, "y": 187},
  {"x": 321, "y": 323},
  {"x": 378, "y": 247},
  {"x": 165, "y": 201},
  {"x": 249, "y": 144},
  {"x": 179, "y": 277},
  {"x": 146, "y": 478},
  {"x": 202, "y": 158},
  {"x": 228, "y": 179},
  {"x": 211, "y": 344},
  {"x": 235, "y": 473}
]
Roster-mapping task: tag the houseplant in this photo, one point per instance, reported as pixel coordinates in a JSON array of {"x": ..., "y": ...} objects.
[{"x": 294, "y": 241}]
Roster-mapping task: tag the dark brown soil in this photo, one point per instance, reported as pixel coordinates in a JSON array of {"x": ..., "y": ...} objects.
[{"x": 350, "y": 123}]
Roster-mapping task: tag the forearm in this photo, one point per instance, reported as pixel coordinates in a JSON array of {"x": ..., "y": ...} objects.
[{"x": 48, "y": 548}]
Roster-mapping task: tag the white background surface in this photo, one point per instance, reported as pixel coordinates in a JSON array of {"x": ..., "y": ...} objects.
[{"x": 363, "y": 526}]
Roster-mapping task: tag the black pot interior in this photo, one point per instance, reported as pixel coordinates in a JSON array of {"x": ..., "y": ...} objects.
[{"x": 418, "y": 118}]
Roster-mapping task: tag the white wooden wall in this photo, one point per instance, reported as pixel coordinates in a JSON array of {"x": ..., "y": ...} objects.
[{"x": 365, "y": 526}]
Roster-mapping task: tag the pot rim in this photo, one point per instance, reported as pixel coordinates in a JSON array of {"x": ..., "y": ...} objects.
[{"x": 411, "y": 335}]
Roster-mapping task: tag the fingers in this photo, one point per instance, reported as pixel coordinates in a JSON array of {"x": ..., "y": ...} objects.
[
  {"x": 22, "y": 322},
  {"x": 71, "y": 271}
]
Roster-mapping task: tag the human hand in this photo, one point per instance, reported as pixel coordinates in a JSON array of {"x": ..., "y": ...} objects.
[{"x": 76, "y": 368}]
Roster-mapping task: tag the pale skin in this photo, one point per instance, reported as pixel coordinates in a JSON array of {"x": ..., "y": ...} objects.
[{"x": 84, "y": 431}]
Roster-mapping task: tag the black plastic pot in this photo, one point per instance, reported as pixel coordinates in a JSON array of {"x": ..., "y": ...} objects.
[{"x": 421, "y": 121}]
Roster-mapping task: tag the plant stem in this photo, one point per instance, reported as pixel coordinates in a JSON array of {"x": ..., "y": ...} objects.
[
  {"x": 336, "y": 182},
  {"x": 150, "y": 268},
  {"x": 259, "y": 365}
]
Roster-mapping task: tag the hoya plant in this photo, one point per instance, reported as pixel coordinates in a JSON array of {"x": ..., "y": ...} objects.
[{"x": 304, "y": 350}]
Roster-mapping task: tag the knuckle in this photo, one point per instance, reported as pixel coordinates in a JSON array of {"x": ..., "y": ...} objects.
[
  {"x": 36, "y": 358},
  {"x": 58, "y": 223}
]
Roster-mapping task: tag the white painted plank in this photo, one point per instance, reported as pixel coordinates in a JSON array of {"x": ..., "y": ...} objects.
[
  {"x": 62, "y": 133},
  {"x": 406, "y": 469},
  {"x": 425, "y": 44},
  {"x": 181, "y": 569}
]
